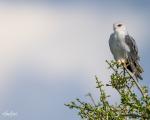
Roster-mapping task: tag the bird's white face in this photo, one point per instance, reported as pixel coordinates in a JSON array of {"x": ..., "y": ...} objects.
[{"x": 119, "y": 27}]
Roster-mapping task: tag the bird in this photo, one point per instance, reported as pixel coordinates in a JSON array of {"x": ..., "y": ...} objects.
[{"x": 125, "y": 50}]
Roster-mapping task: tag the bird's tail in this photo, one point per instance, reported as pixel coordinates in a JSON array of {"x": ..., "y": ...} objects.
[{"x": 135, "y": 68}]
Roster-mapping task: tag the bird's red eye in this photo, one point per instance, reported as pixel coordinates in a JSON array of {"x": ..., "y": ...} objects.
[{"x": 119, "y": 25}]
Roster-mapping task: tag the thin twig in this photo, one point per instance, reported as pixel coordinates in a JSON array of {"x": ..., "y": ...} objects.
[
  {"x": 92, "y": 99},
  {"x": 132, "y": 115},
  {"x": 111, "y": 66},
  {"x": 135, "y": 80}
]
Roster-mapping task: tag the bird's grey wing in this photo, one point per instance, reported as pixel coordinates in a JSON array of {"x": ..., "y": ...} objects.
[
  {"x": 133, "y": 57},
  {"x": 111, "y": 41},
  {"x": 132, "y": 46}
]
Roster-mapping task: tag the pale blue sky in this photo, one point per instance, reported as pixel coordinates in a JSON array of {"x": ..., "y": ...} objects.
[{"x": 51, "y": 50}]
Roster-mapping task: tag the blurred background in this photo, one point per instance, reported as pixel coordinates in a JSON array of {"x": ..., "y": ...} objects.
[{"x": 50, "y": 51}]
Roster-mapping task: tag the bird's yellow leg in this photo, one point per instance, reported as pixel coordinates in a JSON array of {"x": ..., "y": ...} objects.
[
  {"x": 122, "y": 62},
  {"x": 119, "y": 62}
]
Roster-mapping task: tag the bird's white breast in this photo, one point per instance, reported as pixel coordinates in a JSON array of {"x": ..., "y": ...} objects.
[{"x": 121, "y": 49}]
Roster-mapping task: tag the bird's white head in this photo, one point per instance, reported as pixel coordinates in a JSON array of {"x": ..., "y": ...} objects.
[{"x": 119, "y": 27}]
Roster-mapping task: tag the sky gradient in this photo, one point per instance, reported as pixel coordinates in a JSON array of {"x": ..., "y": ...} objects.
[{"x": 51, "y": 50}]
